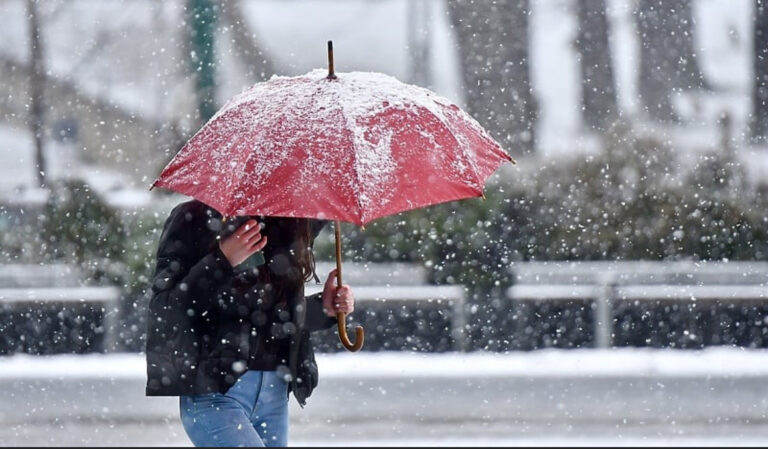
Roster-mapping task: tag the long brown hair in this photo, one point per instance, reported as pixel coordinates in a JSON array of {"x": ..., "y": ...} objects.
[
  {"x": 290, "y": 261},
  {"x": 291, "y": 238}
]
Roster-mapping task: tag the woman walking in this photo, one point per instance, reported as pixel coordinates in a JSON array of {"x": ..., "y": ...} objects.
[{"x": 229, "y": 326}]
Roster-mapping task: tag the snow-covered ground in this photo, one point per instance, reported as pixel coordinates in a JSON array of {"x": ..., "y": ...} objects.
[
  {"x": 592, "y": 363},
  {"x": 616, "y": 397}
]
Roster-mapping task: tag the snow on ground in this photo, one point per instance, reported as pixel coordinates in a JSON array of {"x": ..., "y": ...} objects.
[
  {"x": 617, "y": 362},
  {"x": 544, "y": 441},
  {"x": 580, "y": 397}
]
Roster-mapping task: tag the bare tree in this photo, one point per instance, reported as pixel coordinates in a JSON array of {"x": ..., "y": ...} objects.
[
  {"x": 598, "y": 94},
  {"x": 493, "y": 42},
  {"x": 759, "y": 121},
  {"x": 36, "y": 89}
]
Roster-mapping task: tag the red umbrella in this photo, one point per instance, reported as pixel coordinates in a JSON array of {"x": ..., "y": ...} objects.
[{"x": 346, "y": 147}]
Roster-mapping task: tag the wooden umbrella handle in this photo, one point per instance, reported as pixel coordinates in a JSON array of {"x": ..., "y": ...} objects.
[
  {"x": 341, "y": 316},
  {"x": 359, "y": 334}
]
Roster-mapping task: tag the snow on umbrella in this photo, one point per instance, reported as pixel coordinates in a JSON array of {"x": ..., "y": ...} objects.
[{"x": 347, "y": 147}]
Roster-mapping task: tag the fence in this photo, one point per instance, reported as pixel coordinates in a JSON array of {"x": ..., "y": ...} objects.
[
  {"x": 695, "y": 303},
  {"x": 399, "y": 310},
  {"x": 44, "y": 309}
]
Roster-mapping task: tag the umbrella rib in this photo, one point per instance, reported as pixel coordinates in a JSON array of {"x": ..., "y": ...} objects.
[
  {"x": 355, "y": 185},
  {"x": 359, "y": 186},
  {"x": 444, "y": 121},
  {"x": 243, "y": 173},
  {"x": 439, "y": 114},
  {"x": 436, "y": 110}
]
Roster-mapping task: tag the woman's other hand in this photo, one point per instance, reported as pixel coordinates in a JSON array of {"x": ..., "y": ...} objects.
[
  {"x": 244, "y": 242},
  {"x": 337, "y": 299}
]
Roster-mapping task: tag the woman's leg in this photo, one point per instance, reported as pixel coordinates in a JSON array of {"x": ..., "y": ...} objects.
[
  {"x": 270, "y": 415},
  {"x": 217, "y": 420}
]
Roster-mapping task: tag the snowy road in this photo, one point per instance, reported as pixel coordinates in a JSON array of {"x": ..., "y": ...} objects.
[{"x": 714, "y": 398}]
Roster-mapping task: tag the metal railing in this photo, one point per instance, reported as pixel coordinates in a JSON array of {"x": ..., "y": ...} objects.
[
  {"x": 451, "y": 296},
  {"x": 607, "y": 283},
  {"x": 32, "y": 289}
]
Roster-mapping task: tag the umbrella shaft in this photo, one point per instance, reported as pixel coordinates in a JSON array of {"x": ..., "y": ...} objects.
[{"x": 337, "y": 229}]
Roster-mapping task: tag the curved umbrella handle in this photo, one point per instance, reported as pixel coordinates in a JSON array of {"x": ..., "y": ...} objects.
[
  {"x": 341, "y": 316},
  {"x": 359, "y": 334}
]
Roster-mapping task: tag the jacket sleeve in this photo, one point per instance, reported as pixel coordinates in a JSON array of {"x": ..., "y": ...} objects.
[
  {"x": 183, "y": 280},
  {"x": 316, "y": 318}
]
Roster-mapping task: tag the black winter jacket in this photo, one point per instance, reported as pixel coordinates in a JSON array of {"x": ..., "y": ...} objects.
[{"x": 198, "y": 325}]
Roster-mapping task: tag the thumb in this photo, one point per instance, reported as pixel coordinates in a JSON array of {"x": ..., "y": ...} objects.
[{"x": 331, "y": 278}]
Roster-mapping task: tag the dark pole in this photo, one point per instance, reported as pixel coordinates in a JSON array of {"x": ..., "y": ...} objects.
[
  {"x": 759, "y": 124},
  {"x": 36, "y": 88},
  {"x": 598, "y": 95},
  {"x": 202, "y": 27}
]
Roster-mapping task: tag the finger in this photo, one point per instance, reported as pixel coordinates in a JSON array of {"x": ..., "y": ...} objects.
[
  {"x": 249, "y": 236},
  {"x": 249, "y": 251},
  {"x": 258, "y": 245},
  {"x": 344, "y": 307},
  {"x": 343, "y": 292},
  {"x": 247, "y": 226},
  {"x": 331, "y": 278},
  {"x": 250, "y": 230}
]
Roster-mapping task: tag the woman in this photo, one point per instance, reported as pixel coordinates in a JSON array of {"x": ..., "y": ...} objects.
[{"x": 228, "y": 330}]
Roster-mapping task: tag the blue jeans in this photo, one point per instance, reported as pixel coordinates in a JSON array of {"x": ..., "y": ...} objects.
[{"x": 252, "y": 413}]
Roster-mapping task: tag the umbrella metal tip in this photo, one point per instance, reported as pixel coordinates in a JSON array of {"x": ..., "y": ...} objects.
[{"x": 331, "y": 74}]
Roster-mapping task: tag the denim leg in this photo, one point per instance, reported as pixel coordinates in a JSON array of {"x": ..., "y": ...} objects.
[
  {"x": 270, "y": 415},
  {"x": 217, "y": 420}
]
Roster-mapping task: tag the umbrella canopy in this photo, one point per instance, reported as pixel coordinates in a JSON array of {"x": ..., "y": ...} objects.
[
  {"x": 352, "y": 148},
  {"x": 346, "y": 147}
]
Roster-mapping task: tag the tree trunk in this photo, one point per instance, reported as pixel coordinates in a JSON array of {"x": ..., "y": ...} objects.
[
  {"x": 36, "y": 90},
  {"x": 493, "y": 42},
  {"x": 259, "y": 66},
  {"x": 668, "y": 60},
  {"x": 598, "y": 94},
  {"x": 419, "y": 36},
  {"x": 759, "y": 121},
  {"x": 201, "y": 18}
]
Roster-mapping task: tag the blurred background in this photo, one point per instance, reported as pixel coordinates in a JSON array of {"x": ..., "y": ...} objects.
[{"x": 624, "y": 252}]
